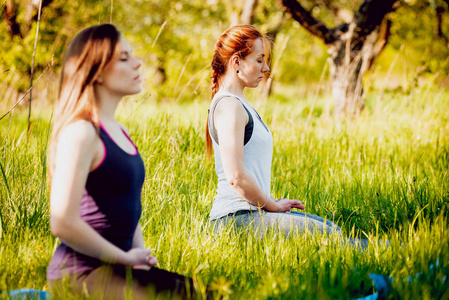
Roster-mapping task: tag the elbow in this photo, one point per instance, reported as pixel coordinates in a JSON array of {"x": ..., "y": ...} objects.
[
  {"x": 59, "y": 227},
  {"x": 235, "y": 180}
]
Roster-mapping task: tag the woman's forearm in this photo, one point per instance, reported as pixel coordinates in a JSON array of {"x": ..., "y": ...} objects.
[
  {"x": 246, "y": 186},
  {"x": 138, "y": 241},
  {"x": 84, "y": 239}
]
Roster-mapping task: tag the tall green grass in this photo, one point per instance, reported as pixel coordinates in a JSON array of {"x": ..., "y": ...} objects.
[{"x": 382, "y": 176}]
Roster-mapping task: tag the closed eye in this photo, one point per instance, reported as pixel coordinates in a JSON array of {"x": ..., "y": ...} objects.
[{"x": 124, "y": 56}]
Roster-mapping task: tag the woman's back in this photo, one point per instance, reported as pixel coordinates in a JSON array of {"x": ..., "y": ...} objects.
[{"x": 258, "y": 151}]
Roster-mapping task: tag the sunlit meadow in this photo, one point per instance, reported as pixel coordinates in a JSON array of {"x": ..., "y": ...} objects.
[{"x": 381, "y": 176}]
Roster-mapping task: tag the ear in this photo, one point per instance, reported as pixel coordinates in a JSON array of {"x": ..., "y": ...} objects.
[
  {"x": 235, "y": 60},
  {"x": 99, "y": 80}
]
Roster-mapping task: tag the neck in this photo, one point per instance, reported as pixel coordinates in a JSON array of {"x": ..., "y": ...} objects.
[
  {"x": 107, "y": 105},
  {"x": 231, "y": 83}
]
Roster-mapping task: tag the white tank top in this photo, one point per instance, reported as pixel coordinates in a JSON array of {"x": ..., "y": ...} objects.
[{"x": 258, "y": 152}]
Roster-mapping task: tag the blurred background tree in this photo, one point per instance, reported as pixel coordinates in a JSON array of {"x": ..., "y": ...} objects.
[
  {"x": 175, "y": 40},
  {"x": 59, "y": 21},
  {"x": 352, "y": 45}
]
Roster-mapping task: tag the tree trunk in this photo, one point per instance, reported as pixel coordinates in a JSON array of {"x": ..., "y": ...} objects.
[
  {"x": 351, "y": 47},
  {"x": 346, "y": 86},
  {"x": 347, "y": 67},
  {"x": 267, "y": 83},
  {"x": 247, "y": 15}
]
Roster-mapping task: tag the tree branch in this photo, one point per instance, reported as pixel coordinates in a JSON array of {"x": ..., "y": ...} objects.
[
  {"x": 1, "y": 7},
  {"x": 10, "y": 13},
  {"x": 32, "y": 13},
  {"x": 370, "y": 15},
  {"x": 384, "y": 35},
  {"x": 439, "y": 30},
  {"x": 314, "y": 26},
  {"x": 343, "y": 14}
]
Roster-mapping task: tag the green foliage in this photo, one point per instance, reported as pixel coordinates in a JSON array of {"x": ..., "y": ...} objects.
[
  {"x": 382, "y": 177},
  {"x": 175, "y": 40},
  {"x": 423, "y": 45},
  {"x": 161, "y": 34},
  {"x": 59, "y": 22}
]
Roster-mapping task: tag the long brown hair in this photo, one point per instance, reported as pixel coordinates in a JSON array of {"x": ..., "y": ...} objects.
[
  {"x": 89, "y": 54},
  {"x": 238, "y": 40}
]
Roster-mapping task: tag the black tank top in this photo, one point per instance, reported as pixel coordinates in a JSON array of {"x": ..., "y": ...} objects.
[{"x": 111, "y": 205}]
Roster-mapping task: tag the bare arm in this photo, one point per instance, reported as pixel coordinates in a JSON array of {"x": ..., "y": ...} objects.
[
  {"x": 138, "y": 238},
  {"x": 230, "y": 119},
  {"x": 78, "y": 149},
  {"x": 138, "y": 242}
]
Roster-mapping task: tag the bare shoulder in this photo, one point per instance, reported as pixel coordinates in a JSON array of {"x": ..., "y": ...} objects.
[
  {"x": 230, "y": 106},
  {"x": 80, "y": 133},
  {"x": 79, "y": 148}
]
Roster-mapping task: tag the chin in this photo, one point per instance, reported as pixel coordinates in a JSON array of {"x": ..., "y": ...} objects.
[
  {"x": 136, "y": 90},
  {"x": 133, "y": 92}
]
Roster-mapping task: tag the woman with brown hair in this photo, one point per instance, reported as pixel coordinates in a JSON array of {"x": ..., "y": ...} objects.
[
  {"x": 242, "y": 143},
  {"x": 97, "y": 176}
]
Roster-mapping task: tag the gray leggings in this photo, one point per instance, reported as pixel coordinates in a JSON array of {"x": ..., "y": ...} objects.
[{"x": 287, "y": 223}]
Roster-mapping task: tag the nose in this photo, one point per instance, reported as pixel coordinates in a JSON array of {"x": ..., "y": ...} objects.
[
  {"x": 265, "y": 68},
  {"x": 137, "y": 63}
]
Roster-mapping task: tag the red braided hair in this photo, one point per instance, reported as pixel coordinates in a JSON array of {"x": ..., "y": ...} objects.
[{"x": 238, "y": 40}]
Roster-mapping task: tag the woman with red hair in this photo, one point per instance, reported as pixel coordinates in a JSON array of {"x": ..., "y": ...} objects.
[{"x": 242, "y": 143}]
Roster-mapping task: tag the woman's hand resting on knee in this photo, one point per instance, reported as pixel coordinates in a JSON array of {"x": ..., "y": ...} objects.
[
  {"x": 140, "y": 258},
  {"x": 285, "y": 205}
]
